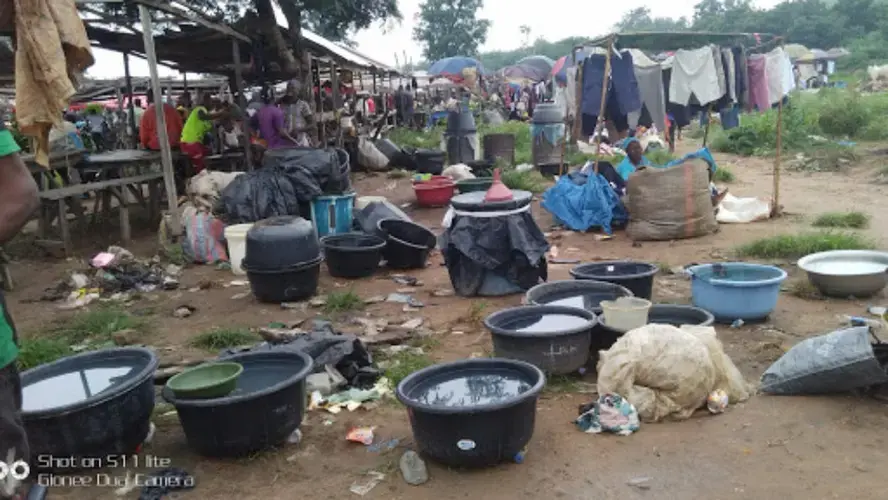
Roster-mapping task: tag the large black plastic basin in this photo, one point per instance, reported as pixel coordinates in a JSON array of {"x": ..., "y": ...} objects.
[
  {"x": 407, "y": 244},
  {"x": 556, "y": 339},
  {"x": 352, "y": 255},
  {"x": 265, "y": 408},
  {"x": 638, "y": 277},
  {"x": 472, "y": 413},
  {"x": 90, "y": 405},
  {"x": 582, "y": 294}
]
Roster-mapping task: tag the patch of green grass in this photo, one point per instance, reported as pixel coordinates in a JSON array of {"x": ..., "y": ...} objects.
[
  {"x": 804, "y": 290},
  {"x": 39, "y": 351},
  {"x": 403, "y": 364},
  {"x": 562, "y": 384},
  {"x": 528, "y": 180},
  {"x": 339, "y": 302},
  {"x": 97, "y": 324},
  {"x": 419, "y": 139},
  {"x": 842, "y": 220},
  {"x": 796, "y": 246},
  {"x": 723, "y": 175},
  {"x": 223, "y": 338},
  {"x": 659, "y": 156},
  {"x": 476, "y": 311}
]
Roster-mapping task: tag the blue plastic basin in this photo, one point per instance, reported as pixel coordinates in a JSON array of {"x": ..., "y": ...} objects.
[{"x": 736, "y": 290}]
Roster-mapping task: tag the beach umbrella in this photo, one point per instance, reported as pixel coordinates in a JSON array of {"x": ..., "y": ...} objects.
[
  {"x": 541, "y": 63},
  {"x": 563, "y": 64},
  {"x": 524, "y": 72},
  {"x": 453, "y": 66}
]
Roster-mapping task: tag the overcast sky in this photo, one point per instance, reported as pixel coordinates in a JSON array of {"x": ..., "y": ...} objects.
[{"x": 564, "y": 18}]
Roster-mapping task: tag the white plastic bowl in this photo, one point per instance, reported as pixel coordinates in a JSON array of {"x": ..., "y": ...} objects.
[
  {"x": 236, "y": 236},
  {"x": 626, "y": 313}
]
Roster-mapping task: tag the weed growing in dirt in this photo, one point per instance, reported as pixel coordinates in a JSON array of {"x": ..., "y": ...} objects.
[
  {"x": 796, "y": 246},
  {"x": 723, "y": 175},
  {"x": 843, "y": 220},
  {"x": 223, "y": 338},
  {"x": 98, "y": 324},
  {"x": 803, "y": 289},
  {"x": 398, "y": 174},
  {"x": 39, "y": 351},
  {"x": 339, "y": 302},
  {"x": 562, "y": 384},
  {"x": 476, "y": 311},
  {"x": 420, "y": 139},
  {"x": 882, "y": 175},
  {"x": 404, "y": 363}
]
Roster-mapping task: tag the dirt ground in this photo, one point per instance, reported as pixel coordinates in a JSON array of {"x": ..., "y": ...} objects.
[{"x": 769, "y": 447}]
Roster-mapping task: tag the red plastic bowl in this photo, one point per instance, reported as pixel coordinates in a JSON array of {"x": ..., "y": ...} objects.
[
  {"x": 436, "y": 179},
  {"x": 434, "y": 193}
]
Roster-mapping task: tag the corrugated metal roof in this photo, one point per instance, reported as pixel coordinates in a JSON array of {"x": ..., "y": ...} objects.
[{"x": 345, "y": 53}]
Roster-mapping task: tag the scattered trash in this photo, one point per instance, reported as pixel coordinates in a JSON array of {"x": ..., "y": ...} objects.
[
  {"x": 398, "y": 349},
  {"x": 294, "y": 305},
  {"x": 610, "y": 413},
  {"x": 102, "y": 259},
  {"x": 640, "y": 482},
  {"x": 182, "y": 312},
  {"x": 404, "y": 299},
  {"x": 858, "y": 321},
  {"x": 376, "y": 299},
  {"x": 318, "y": 302},
  {"x": 403, "y": 279},
  {"x": 443, "y": 293},
  {"x": 412, "y": 324},
  {"x": 371, "y": 326},
  {"x": 238, "y": 283},
  {"x": 363, "y": 435},
  {"x": 295, "y": 437},
  {"x": 405, "y": 290},
  {"x": 717, "y": 402},
  {"x": 603, "y": 237},
  {"x": 413, "y": 468},
  {"x": 321, "y": 383},
  {"x": 839, "y": 361},
  {"x": 737, "y": 323},
  {"x": 519, "y": 457},
  {"x": 878, "y": 311},
  {"x": 160, "y": 483},
  {"x": 564, "y": 261},
  {"x": 80, "y": 298},
  {"x": 391, "y": 444},
  {"x": 362, "y": 489},
  {"x": 351, "y": 399},
  {"x": 240, "y": 296}
]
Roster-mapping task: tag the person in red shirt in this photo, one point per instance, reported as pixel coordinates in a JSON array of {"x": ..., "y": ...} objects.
[{"x": 148, "y": 125}]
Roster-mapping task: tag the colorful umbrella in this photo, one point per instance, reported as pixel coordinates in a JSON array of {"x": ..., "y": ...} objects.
[
  {"x": 524, "y": 72},
  {"x": 562, "y": 65},
  {"x": 541, "y": 63},
  {"x": 453, "y": 66}
]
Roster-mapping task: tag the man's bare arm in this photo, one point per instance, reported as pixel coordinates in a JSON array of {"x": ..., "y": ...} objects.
[{"x": 18, "y": 196}]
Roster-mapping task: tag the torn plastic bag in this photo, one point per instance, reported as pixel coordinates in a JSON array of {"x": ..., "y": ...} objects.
[
  {"x": 836, "y": 362},
  {"x": 494, "y": 256},
  {"x": 367, "y": 218},
  {"x": 328, "y": 347},
  {"x": 582, "y": 204},
  {"x": 287, "y": 182}
]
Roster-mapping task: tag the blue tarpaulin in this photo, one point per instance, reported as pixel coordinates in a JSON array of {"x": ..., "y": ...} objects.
[{"x": 583, "y": 205}]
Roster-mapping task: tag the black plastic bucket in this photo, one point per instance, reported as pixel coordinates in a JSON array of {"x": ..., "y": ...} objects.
[
  {"x": 556, "y": 339},
  {"x": 638, "y": 277},
  {"x": 582, "y": 294},
  {"x": 284, "y": 285},
  {"x": 270, "y": 395},
  {"x": 352, "y": 255},
  {"x": 499, "y": 146},
  {"x": 493, "y": 422},
  {"x": 429, "y": 161},
  {"x": 407, "y": 244}
]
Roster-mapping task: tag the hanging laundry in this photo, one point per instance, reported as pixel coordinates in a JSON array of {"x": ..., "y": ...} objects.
[
  {"x": 742, "y": 75},
  {"x": 719, "y": 70},
  {"x": 730, "y": 117},
  {"x": 759, "y": 97},
  {"x": 694, "y": 73},
  {"x": 731, "y": 76},
  {"x": 653, "y": 97},
  {"x": 622, "y": 86},
  {"x": 779, "y": 74},
  {"x": 681, "y": 115}
]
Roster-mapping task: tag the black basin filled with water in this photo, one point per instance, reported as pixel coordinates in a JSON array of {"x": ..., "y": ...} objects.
[
  {"x": 638, "y": 277},
  {"x": 92, "y": 405},
  {"x": 554, "y": 338},
  {"x": 474, "y": 412},
  {"x": 582, "y": 294},
  {"x": 265, "y": 408},
  {"x": 407, "y": 244},
  {"x": 669, "y": 314},
  {"x": 352, "y": 255}
]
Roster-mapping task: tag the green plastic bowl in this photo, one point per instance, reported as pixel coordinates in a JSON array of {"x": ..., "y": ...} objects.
[
  {"x": 470, "y": 185},
  {"x": 207, "y": 381}
]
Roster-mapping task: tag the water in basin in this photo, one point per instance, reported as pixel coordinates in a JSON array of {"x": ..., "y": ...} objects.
[
  {"x": 69, "y": 388},
  {"x": 260, "y": 376},
  {"x": 846, "y": 267},
  {"x": 578, "y": 299},
  {"x": 460, "y": 390},
  {"x": 547, "y": 323}
]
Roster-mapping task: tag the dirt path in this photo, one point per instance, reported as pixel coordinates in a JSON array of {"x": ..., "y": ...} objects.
[{"x": 770, "y": 447}]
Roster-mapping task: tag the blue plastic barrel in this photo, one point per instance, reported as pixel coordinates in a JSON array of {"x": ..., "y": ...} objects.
[{"x": 333, "y": 214}]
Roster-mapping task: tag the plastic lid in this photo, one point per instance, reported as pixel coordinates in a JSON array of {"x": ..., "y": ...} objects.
[{"x": 498, "y": 191}]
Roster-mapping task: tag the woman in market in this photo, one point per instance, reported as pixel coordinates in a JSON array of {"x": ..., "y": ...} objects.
[
  {"x": 634, "y": 159},
  {"x": 194, "y": 133}
]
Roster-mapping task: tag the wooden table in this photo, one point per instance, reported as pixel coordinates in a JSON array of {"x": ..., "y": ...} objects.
[{"x": 110, "y": 175}]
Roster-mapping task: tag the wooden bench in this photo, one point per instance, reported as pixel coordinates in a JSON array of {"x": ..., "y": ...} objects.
[{"x": 105, "y": 189}]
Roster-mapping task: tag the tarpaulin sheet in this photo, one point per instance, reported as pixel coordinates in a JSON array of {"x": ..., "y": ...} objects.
[{"x": 582, "y": 202}]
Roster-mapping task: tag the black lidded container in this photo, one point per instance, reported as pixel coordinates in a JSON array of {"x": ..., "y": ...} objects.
[{"x": 283, "y": 242}]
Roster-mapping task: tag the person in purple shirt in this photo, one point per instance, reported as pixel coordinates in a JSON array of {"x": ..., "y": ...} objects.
[{"x": 269, "y": 120}]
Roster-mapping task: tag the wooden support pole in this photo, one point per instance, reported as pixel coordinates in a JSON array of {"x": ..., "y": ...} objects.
[
  {"x": 775, "y": 210},
  {"x": 131, "y": 115},
  {"x": 319, "y": 102},
  {"x": 601, "y": 110},
  {"x": 708, "y": 122},
  {"x": 578, "y": 104},
  {"x": 374, "y": 83},
  {"x": 166, "y": 156},
  {"x": 242, "y": 101}
]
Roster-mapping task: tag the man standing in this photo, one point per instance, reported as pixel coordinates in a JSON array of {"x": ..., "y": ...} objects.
[
  {"x": 148, "y": 125},
  {"x": 18, "y": 200}
]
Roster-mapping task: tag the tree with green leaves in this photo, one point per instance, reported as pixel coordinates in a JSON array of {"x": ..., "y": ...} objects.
[
  {"x": 449, "y": 28},
  {"x": 640, "y": 19}
]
